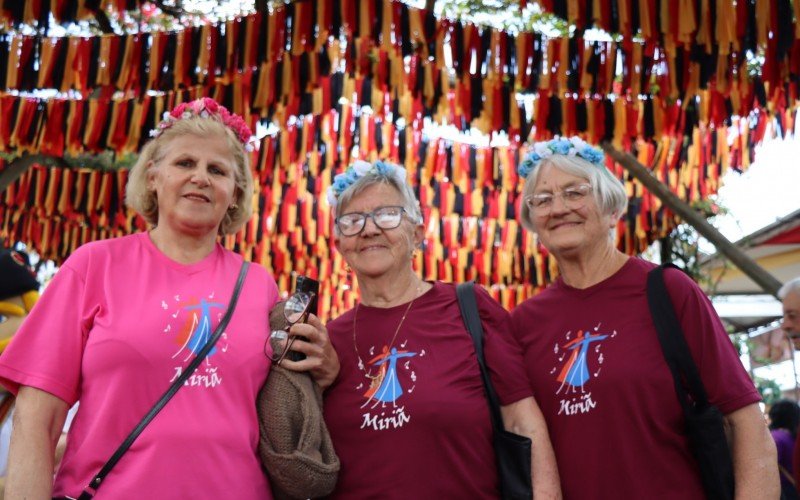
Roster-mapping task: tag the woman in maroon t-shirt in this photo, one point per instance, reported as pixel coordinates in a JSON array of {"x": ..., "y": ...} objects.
[
  {"x": 407, "y": 413},
  {"x": 593, "y": 356}
]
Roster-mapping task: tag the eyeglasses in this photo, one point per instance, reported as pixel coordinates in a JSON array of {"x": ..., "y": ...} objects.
[
  {"x": 384, "y": 218},
  {"x": 295, "y": 310},
  {"x": 573, "y": 198}
]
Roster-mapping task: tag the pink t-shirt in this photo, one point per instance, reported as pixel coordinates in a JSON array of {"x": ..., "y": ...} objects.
[
  {"x": 115, "y": 326},
  {"x": 422, "y": 428},
  {"x": 600, "y": 378}
]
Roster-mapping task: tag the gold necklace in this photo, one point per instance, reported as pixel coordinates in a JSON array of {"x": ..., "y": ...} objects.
[{"x": 396, "y": 331}]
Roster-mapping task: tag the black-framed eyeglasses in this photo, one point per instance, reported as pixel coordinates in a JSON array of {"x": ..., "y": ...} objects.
[
  {"x": 295, "y": 310},
  {"x": 384, "y": 218}
]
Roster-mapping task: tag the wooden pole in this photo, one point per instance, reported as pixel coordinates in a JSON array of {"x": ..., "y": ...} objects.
[
  {"x": 740, "y": 259},
  {"x": 19, "y": 166}
]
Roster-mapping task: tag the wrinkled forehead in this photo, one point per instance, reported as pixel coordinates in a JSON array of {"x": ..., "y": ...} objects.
[
  {"x": 792, "y": 302},
  {"x": 371, "y": 197},
  {"x": 192, "y": 143},
  {"x": 553, "y": 176}
]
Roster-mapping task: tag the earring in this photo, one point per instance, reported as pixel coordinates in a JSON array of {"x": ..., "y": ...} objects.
[{"x": 234, "y": 206}]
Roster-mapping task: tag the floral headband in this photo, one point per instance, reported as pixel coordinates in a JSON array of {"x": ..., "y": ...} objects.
[
  {"x": 358, "y": 170},
  {"x": 205, "y": 108},
  {"x": 574, "y": 146}
]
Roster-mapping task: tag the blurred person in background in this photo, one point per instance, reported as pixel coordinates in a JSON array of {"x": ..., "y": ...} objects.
[
  {"x": 789, "y": 294},
  {"x": 784, "y": 417}
]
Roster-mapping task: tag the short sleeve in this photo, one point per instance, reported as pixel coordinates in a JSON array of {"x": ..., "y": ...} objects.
[
  {"x": 503, "y": 354},
  {"x": 47, "y": 350},
  {"x": 727, "y": 383}
]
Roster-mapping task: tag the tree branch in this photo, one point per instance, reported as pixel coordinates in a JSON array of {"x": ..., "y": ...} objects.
[{"x": 19, "y": 166}]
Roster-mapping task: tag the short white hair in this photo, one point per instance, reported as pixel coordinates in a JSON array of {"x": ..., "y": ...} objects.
[
  {"x": 372, "y": 178},
  {"x": 608, "y": 190},
  {"x": 791, "y": 286}
]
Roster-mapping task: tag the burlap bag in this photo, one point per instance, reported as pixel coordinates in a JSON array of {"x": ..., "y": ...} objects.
[{"x": 294, "y": 443}]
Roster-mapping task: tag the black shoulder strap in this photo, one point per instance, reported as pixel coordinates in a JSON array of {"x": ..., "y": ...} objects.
[
  {"x": 469, "y": 313},
  {"x": 673, "y": 343},
  {"x": 95, "y": 483}
]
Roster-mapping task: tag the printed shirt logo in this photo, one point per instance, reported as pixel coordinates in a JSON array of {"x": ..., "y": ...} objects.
[
  {"x": 194, "y": 325},
  {"x": 575, "y": 373},
  {"x": 196, "y": 329},
  {"x": 388, "y": 374}
]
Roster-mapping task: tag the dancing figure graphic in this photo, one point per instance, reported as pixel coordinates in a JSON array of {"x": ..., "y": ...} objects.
[
  {"x": 375, "y": 381},
  {"x": 197, "y": 329},
  {"x": 389, "y": 389},
  {"x": 576, "y": 370}
]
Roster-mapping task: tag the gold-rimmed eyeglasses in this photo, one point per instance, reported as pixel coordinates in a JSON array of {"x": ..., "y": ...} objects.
[
  {"x": 573, "y": 197},
  {"x": 295, "y": 310}
]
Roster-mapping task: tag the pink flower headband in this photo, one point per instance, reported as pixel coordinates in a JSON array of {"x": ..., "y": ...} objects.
[{"x": 205, "y": 108}]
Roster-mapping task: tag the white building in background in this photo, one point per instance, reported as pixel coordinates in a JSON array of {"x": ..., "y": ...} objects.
[{"x": 744, "y": 308}]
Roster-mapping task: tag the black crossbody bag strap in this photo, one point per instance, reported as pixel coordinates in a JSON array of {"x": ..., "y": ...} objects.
[
  {"x": 469, "y": 312},
  {"x": 512, "y": 451},
  {"x": 97, "y": 481},
  {"x": 673, "y": 343},
  {"x": 705, "y": 424}
]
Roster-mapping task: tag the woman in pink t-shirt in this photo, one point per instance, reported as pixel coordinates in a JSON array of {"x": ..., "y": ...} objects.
[
  {"x": 124, "y": 317},
  {"x": 408, "y": 415}
]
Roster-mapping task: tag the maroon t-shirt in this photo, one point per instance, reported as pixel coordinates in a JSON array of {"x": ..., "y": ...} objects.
[
  {"x": 599, "y": 376},
  {"x": 414, "y": 421}
]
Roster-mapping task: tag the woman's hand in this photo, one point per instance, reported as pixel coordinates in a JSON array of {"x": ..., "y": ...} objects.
[{"x": 321, "y": 359}]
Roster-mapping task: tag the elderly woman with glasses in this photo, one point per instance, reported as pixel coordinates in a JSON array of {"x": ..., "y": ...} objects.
[
  {"x": 407, "y": 414},
  {"x": 593, "y": 355}
]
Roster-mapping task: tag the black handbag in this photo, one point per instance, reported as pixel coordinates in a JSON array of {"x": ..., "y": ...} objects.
[
  {"x": 704, "y": 422},
  {"x": 512, "y": 451},
  {"x": 97, "y": 481}
]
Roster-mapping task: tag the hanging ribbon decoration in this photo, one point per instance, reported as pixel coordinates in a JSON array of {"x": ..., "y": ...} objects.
[
  {"x": 667, "y": 106},
  {"x": 470, "y": 197},
  {"x": 282, "y": 67}
]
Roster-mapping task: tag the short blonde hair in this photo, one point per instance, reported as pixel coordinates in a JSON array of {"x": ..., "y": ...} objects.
[{"x": 144, "y": 200}]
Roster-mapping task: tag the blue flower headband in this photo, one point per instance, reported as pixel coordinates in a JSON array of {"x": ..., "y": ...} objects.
[
  {"x": 359, "y": 169},
  {"x": 574, "y": 146}
]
